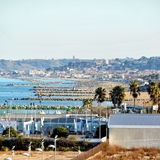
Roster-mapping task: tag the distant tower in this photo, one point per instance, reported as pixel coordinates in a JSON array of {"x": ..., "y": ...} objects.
[
  {"x": 73, "y": 59},
  {"x": 107, "y": 62}
]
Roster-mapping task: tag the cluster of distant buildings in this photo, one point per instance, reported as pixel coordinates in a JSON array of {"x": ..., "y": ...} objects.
[
  {"x": 127, "y": 130},
  {"x": 45, "y": 123},
  {"x": 89, "y": 73},
  {"x": 117, "y": 70}
]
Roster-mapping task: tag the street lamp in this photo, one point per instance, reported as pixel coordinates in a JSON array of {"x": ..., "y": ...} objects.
[
  {"x": 41, "y": 149},
  {"x": 42, "y": 143},
  {"x": 13, "y": 152},
  {"x": 68, "y": 128},
  {"x": 79, "y": 151},
  {"x": 7, "y": 105},
  {"x": 9, "y": 134},
  {"x": 29, "y": 151},
  {"x": 94, "y": 130},
  {"x": 26, "y": 154},
  {"x": 52, "y": 146}
]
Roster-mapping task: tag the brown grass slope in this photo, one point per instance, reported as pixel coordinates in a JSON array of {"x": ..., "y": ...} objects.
[{"x": 118, "y": 153}]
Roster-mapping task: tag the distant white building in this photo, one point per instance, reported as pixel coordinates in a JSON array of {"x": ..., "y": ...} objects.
[{"x": 74, "y": 124}]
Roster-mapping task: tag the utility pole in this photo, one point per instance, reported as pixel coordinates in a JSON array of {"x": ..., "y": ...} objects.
[
  {"x": 42, "y": 146},
  {"x": 29, "y": 150},
  {"x": 55, "y": 138},
  {"x": 13, "y": 152},
  {"x": 9, "y": 134}
]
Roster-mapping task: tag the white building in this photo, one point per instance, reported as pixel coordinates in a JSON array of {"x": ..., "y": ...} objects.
[{"x": 134, "y": 130}]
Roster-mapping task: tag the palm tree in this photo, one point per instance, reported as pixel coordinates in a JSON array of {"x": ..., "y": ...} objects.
[
  {"x": 134, "y": 88},
  {"x": 117, "y": 95},
  {"x": 100, "y": 97},
  {"x": 154, "y": 92},
  {"x": 88, "y": 102}
]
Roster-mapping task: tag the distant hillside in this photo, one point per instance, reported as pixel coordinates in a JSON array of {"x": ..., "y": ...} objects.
[
  {"x": 32, "y": 64},
  {"x": 142, "y": 63},
  {"x": 117, "y": 64}
]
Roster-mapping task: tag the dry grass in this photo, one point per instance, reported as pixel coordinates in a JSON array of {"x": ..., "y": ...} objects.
[{"x": 118, "y": 153}]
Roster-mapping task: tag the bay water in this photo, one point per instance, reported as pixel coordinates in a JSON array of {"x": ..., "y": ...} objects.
[{"x": 12, "y": 95}]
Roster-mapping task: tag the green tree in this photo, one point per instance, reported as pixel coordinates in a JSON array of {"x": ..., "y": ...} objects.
[
  {"x": 13, "y": 132},
  {"x": 134, "y": 88},
  {"x": 87, "y": 102},
  {"x": 60, "y": 131},
  {"x": 117, "y": 95},
  {"x": 100, "y": 97}
]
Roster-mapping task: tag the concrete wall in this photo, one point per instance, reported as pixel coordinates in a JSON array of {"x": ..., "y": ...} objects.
[{"x": 131, "y": 137}]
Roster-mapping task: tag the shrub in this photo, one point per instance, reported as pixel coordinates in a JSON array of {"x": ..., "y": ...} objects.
[
  {"x": 64, "y": 149},
  {"x": 3, "y": 148},
  {"x": 60, "y": 131},
  {"x": 13, "y": 132}
]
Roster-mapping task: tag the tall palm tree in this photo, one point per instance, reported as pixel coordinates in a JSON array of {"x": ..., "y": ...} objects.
[
  {"x": 134, "y": 88},
  {"x": 100, "y": 97},
  {"x": 154, "y": 92},
  {"x": 117, "y": 95},
  {"x": 88, "y": 102}
]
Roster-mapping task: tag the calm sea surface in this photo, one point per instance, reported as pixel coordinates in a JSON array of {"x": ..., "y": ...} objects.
[{"x": 19, "y": 92}]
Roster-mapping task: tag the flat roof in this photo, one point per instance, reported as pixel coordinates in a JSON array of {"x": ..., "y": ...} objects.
[{"x": 134, "y": 121}]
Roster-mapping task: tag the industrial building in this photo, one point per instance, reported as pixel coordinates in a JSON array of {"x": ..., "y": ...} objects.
[{"x": 134, "y": 130}]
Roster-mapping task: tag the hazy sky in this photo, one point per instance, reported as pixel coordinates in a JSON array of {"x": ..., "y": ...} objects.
[{"x": 85, "y": 29}]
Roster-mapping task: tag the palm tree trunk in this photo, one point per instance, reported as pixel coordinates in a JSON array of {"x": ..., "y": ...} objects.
[
  {"x": 91, "y": 119},
  {"x": 99, "y": 120},
  {"x": 114, "y": 101},
  {"x": 134, "y": 103}
]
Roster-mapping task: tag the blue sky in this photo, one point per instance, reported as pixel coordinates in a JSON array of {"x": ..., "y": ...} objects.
[{"x": 85, "y": 29}]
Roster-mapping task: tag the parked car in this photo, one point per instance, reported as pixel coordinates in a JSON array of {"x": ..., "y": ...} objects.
[
  {"x": 89, "y": 134},
  {"x": 20, "y": 133},
  {"x": 72, "y": 133},
  {"x": 38, "y": 132}
]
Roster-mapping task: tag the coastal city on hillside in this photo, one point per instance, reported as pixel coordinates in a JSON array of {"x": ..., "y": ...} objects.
[
  {"x": 91, "y": 103},
  {"x": 79, "y": 80},
  {"x": 116, "y": 70}
]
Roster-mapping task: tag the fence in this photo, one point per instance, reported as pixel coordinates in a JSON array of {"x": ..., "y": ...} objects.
[{"x": 91, "y": 152}]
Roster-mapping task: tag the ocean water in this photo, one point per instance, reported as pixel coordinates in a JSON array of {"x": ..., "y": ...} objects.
[{"x": 12, "y": 95}]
